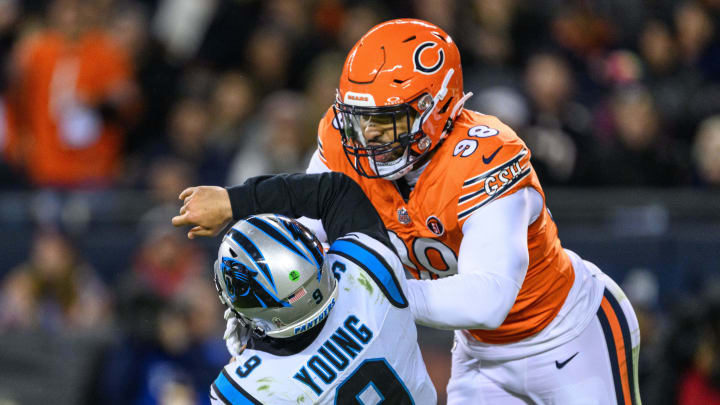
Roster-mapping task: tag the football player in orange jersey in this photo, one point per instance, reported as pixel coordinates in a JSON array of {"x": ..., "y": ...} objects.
[{"x": 465, "y": 210}]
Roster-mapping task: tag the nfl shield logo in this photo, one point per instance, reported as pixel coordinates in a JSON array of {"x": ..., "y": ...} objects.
[
  {"x": 403, "y": 216},
  {"x": 435, "y": 226}
]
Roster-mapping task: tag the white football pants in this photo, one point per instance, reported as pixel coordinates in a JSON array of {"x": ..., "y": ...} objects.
[{"x": 598, "y": 367}]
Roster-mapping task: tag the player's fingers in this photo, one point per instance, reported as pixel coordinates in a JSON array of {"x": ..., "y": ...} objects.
[
  {"x": 192, "y": 233},
  {"x": 186, "y": 193},
  {"x": 180, "y": 220},
  {"x": 200, "y": 231},
  {"x": 183, "y": 209}
]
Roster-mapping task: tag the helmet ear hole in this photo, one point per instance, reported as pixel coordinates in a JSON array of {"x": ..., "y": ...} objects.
[
  {"x": 448, "y": 126},
  {"x": 446, "y": 106}
]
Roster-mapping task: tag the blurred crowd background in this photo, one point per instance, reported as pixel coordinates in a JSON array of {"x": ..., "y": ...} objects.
[{"x": 109, "y": 108}]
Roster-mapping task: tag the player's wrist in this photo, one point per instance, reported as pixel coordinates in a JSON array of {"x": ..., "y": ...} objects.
[{"x": 234, "y": 208}]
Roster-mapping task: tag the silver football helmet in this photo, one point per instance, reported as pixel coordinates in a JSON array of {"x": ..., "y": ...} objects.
[{"x": 270, "y": 270}]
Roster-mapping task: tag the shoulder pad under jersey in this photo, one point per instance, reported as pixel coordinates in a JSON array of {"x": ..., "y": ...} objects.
[
  {"x": 488, "y": 161},
  {"x": 329, "y": 141}
]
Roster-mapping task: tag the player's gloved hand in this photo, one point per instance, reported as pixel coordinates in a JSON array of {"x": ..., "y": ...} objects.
[
  {"x": 237, "y": 334},
  {"x": 206, "y": 208}
]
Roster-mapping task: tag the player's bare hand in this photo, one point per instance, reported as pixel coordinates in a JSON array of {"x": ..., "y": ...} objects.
[{"x": 206, "y": 208}]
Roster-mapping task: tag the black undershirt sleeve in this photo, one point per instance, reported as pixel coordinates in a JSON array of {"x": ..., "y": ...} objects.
[{"x": 332, "y": 197}]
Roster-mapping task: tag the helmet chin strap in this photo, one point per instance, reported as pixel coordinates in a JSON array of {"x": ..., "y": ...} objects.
[
  {"x": 460, "y": 104},
  {"x": 454, "y": 113}
]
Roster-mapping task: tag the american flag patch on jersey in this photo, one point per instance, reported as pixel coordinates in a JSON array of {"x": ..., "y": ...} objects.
[{"x": 297, "y": 295}]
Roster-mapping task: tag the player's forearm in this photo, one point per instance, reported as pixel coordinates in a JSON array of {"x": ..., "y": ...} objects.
[
  {"x": 332, "y": 197},
  {"x": 492, "y": 264},
  {"x": 463, "y": 301}
]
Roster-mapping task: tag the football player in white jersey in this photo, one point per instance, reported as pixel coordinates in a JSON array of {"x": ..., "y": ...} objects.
[
  {"x": 557, "y": 365},
  {"x": 325, "y": 328}
]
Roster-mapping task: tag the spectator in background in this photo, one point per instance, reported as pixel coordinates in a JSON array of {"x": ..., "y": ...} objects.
[
  {"x": 689, "y": 370},
  {"x": 181, "y": 25},
  {"x": 440, "y": 12},
  {"x": 233, "y": 101},
  {"x": 642, "y": 289},
  {"x": 281, "y": 142},
  {"x": 320, "y": 87},
  {"x": 166, "y": 262},
  {"x": 558, "y": 125},
  {"x": 128, "y": 27},
  {"x": 580, "y": 29},
  {"x": 54, "y": 290},
  {"x": 698, "y": 49},
  {"x": 492, "y": 25},
  {"x": 269, "y": 58},
  {"x": 9, "y": 173},
  {"x": 663, "y": 76},
  {"x": 289, "y": 14},
  {"x": 357, "y": 19},
  {"x": 177, "y": 361},
  {"x": 166, "y": 177},
  {"x": 72, "y": 92},
  {"x": 694, "y": 28},
  {"x": 640, "y": 149},
  {"x": 187, "y": 140},
  {"x": 700, "y": 381},
  {"x": 706, "y": 151},
  {"x": 658, "y": 48}
]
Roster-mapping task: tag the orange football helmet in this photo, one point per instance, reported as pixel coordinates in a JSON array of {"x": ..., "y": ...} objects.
[{"x": 404, "y": 74}]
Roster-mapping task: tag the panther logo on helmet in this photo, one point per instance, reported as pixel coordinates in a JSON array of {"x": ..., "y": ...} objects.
[{"x": 242, "y": 286}]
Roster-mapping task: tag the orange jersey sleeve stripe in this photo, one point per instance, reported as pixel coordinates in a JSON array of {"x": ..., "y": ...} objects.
[
  {"x": 493, "y": 184},
  {"x": 617, "y": 336}
]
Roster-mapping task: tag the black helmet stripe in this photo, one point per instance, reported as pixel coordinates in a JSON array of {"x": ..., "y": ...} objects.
[
  {"x": 273, "y": 233},
  {"x": 251, "y": 250},
  {"x": 309, "y": 244}
]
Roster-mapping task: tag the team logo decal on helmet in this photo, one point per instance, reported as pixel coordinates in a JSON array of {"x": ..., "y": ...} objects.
[
  {"x": 243, "y": 288},
  {"x": 435, "y": 226},
  {"x": 417, "y": 55}
]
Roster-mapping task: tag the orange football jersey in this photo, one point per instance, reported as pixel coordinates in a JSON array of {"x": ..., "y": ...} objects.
[
  {"x": 481, "y": 160},
  {"x": 52, "y": 73}
]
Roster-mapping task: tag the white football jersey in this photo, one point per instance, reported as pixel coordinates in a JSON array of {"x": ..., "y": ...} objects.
[{"x": 366, "y": 353}]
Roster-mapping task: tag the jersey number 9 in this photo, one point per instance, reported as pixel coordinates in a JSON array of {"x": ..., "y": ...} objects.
[{"x": 374, "y": 381}]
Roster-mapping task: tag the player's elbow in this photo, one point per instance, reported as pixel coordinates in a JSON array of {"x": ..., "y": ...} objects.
[
  {"x": 501, "y": 298},
  {"x": 496, "y": 317},
  {"x": 491, "y": 318}
]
